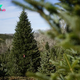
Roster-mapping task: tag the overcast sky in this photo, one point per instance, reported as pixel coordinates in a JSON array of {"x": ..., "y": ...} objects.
[{"x": 9, "y": 18}]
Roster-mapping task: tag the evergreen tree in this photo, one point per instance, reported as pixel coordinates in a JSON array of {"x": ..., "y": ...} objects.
[
  {"x": 46, "y": 66},
  {"x": 47, "y": 46},
  {"x": 24, "y": 47}
]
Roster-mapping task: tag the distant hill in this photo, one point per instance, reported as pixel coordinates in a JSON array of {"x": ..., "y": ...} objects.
[
  {"x": 6, "y": 41},
  {"x": 3, "y": 37}
]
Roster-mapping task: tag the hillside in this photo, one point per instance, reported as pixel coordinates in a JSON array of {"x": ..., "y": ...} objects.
[
  {"x": 3, "y": 37},
  {"x": 6, "y": 41}
]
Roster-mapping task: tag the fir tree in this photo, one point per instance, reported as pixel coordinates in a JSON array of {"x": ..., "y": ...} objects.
[
  {"x": 47, "y": 46},
  {"x": 25, "y": 47},
  {"x": 46, "y": 67}
]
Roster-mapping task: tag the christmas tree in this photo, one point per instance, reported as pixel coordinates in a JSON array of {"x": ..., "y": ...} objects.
[{"x": 25, "y": 47}]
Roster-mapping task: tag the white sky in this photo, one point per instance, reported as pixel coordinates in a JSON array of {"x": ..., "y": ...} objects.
[{"x": 9, "y": 18}]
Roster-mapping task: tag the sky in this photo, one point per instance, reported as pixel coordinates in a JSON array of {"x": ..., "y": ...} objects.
[{"x": 10, "y": 17}]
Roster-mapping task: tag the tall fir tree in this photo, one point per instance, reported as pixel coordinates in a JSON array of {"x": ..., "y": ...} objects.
[{"x": 25, "y": 47}]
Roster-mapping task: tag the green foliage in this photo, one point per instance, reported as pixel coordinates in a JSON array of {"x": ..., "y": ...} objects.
[
  {"x": 67, "y": 65},
  {"x": 11, "y": 66},
  {"x": 68, "y": 68},
  {"x": 24, "y": 55},
  {"x": 6, "y": 65},
  {"x": 2, "y": 71},
  {"x": 45, "y": 66},
  {"x": 47, "y": 46},
  {"x": 3, "y": 61},
  {"x": 56, "y": 54}
]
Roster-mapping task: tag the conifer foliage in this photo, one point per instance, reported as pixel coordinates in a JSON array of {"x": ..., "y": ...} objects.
[{"x": 25, "y": 47}]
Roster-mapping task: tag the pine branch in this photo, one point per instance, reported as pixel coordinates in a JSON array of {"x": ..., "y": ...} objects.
[
  {"x": 35, "y": 3},
  {"x": 38, "y": 75},
  {"x": 68, "y": 63},
  {"x": 24, "y": 6}
]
